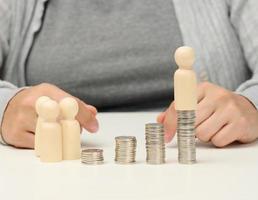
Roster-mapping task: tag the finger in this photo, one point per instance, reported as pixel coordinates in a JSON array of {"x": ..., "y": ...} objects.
[
  {"x": 161, "y": 117},
  {"x": 170, "y": 123},
  {"x": 91, "y": 125},
  {"x": 207, "y": 129},
  {"x": 200, "y": 92},
  {"x": 29, "y": 121},
  {"x": 205, "y": 109},
  {"x": 25, "y": 140},
  {"x": 26, "y": 119},
  {"x": 92, "y": 109},
  {"x": 30, "y": 125},
  {"x": 225, "y": 136},
  {"x": 87, "y": 119}
]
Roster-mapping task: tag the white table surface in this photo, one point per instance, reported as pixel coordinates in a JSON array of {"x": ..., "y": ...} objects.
[{"x": 230, "y": 173}]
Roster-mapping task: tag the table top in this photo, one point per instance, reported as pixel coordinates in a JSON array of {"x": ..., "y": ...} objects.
[{"x": 229, "y": 173}]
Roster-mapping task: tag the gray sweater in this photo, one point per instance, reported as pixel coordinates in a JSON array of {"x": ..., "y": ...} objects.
[
  {"x": 223, "y": 33},
  {"x": 117, "y": 52}
]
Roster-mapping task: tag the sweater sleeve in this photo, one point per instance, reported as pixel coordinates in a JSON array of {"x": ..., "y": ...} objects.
[
  {"x": 7, "y": 90},
  {"x": 244, "y": 18}
]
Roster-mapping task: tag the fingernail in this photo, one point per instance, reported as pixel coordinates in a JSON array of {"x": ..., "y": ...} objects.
[{"x": 93, "y": 126}]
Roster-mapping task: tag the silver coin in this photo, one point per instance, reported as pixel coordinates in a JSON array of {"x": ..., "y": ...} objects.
[
  {"x": 92, "y": 156},
  {"x": 125, "y": 149},
  {"x": 186, "y": 137},
  {"x": 155, "y": 143}
]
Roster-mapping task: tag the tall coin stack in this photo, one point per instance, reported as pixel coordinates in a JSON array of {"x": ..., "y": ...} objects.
[
  {"x": 125, "y": 149},
  {"x": 155, "y": 143},
  {"x": 92, "y": 156},
  {"x": 186, "y": 137}
]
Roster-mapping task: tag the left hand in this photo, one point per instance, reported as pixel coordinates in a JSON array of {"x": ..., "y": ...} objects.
[{"x": 222, "y": 117}]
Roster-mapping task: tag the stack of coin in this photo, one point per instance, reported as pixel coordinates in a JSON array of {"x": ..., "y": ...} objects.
[
  {"x": 125, "y": 149},
  {"x": 92, "y": 156},
  {"x": 186, "y": 137},
  {"x": 155, "y": 143}
]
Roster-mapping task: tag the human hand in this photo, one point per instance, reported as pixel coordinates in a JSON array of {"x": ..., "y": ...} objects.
[
  {"x": 222, "y": 117},
  {"x": 20, "y": 118}
]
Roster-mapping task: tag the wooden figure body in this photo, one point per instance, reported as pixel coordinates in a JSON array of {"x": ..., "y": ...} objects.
[
  {"x": 185, "y": 81},
  {"x": 70, "y": 129},
  {"x": 38, "y": 105},
  {"x": 51, "y": 136}
]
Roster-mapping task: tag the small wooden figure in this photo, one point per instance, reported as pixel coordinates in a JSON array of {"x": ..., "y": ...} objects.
[
  {"x": 38, "y": 105},
  {"x": 50, "y": 132},
  {"x": 70, "y": 129},
  {"x": 185, "y": 81}
]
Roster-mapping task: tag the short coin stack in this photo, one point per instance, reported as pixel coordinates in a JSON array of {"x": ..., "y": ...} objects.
[
  {"x": 125, "y": 149},
  {"x": 186, "y": 137},
  {"x": 92, "y": 156},
  {"x": 155, "y": 143}
]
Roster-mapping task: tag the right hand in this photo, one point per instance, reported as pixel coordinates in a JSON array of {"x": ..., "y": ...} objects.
[{"x": 20, "y": 118}]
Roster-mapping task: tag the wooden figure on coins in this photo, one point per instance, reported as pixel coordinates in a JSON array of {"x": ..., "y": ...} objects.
[{"x": 185, "y": 93}]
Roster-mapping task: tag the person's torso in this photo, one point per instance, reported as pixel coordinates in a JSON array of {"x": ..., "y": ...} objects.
[{"x": 112, "y": 54}]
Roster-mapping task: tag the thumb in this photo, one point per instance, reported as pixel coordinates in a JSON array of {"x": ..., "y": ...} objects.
[
  {"x": 161, "y": 117},
  {"x": 87, "y": 117},
  {"x": 170, "y": 123}
]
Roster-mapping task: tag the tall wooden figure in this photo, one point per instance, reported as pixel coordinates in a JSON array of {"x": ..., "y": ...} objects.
[
  {"x": 51, "y": 136},
  {"x": 185, "y": 93},
  {"x": 70, "y": 129},
  {"x": 38, "y": 105}
]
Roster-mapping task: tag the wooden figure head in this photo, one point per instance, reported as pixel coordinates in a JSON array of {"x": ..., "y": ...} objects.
[
  {"x": 39, "y": 102},
  {"x": 49, "y": 110},
  {"x": 69, "y": 108},
  {"x": 185, "y": 57}
]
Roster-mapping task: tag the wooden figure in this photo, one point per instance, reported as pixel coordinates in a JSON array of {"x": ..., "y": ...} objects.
[
  {"x": 50, "y": 132},
  {"x": 38, "y": 105},
  {"x": 185, "y": 81},
  {"x": 185, "y": 90},
  {"x": 70, "y": 129}
]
